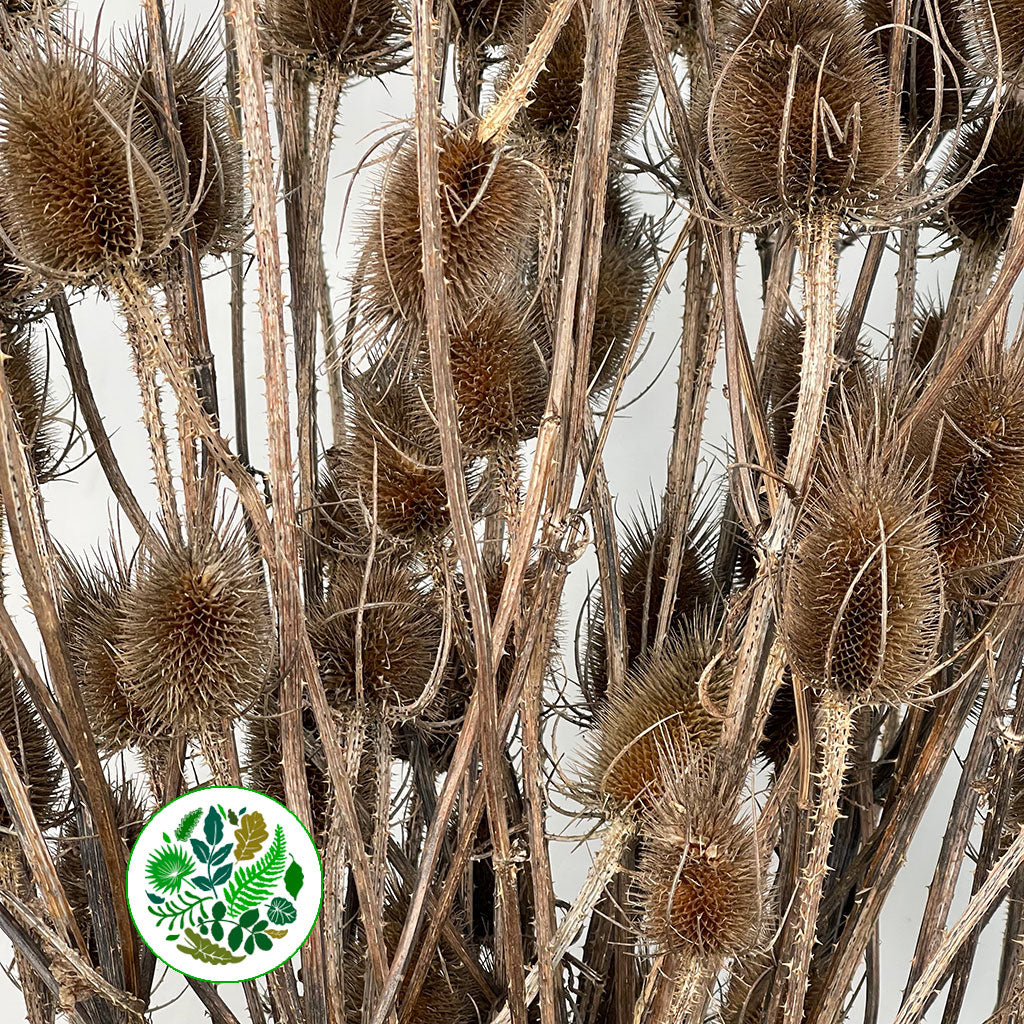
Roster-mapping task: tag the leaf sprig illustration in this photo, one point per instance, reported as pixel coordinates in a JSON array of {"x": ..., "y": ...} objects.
[
  {"x": 174, "y": 913},
  {"x": 187, "y": 825},
  {"x": 254, "y": 884}
]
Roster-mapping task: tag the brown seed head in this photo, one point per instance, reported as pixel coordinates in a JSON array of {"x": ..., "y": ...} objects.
[
  {"x": 862, "y": 587},
  {"x": 978, "y": 481},
  {"x": 658, "y": 719},
  {"x": 84, "y": 193},
  {"x": 490, "y": 205},
  {"x": 398, "y": 636},
  {"x": 30, "y": 746},
  {"x": 981, "y": 212},
  {"x": 700, "y": 883},
  {"x": 799, "y": 118},
  {"x": 27, "y": 377},
  {"x": 213, "y": 153},
  {"x": 996, "y": 36},
  {"x": 928, "y": 323},
  {"x": 360, "y": 37},
  {"x": 197, "y": 635},
  {"x": 487, "y": 22}
]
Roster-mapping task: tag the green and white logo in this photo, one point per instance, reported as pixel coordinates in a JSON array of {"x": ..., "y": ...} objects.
[{"x": 224, "y": 884}]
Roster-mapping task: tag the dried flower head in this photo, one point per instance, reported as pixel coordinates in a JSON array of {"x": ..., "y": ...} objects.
[
  {"x": 645, "y": 551},
  {"x": 498, "y": 369},
  {"x": 387, "y": 471},
  {"x": 197, "y": 636},
  {"x": 799, "y": 121},
  {"x": 548, "y": 122},
  {"x": 660, "y": 718},
  {"x": 490, "y": 205},
  {"x": 928, "y": 325},
  {"x": 212, "y": 151},
  {"x": 700, "y": 884},
  {"x": 863, "y": 591},
  {"x": 84, "y": 192},
  {"x": 981, "y": 211},
  {"x": 359, "y": 37},
  {"x": 388, "y": 652},
  {"x": 30, "y": 746},
  {"x": 996, "y": 36},
  {"x": 978, "y": 480},
  {"x": 28, "y": 380},
  {"x": 93, "y": 600}
]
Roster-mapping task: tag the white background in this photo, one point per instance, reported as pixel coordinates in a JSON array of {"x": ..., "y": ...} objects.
[{"x": 81, "y": 511}]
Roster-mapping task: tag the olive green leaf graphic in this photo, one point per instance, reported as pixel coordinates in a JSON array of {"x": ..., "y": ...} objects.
[
  {"x": 277, "y": 933},
  {"x": 293, "y": 879},
  {"x": 188, "y": 824},
  {"x": 253, "y": 884},
  {"x": 207, "y": 951},
  {"x": 251, "y": 835},
  {"x": 168, "y": 868},
  {"x": 281, "y": 911}
]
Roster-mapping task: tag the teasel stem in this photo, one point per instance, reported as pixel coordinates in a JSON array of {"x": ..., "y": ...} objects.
[
  {"x": 974, "y": 273},
  {"x": 684, "y": 991},
  {"x": 145, "y": 329},
  {"x": 187, "y": 434},
  {"x": 834, "y": 725}
]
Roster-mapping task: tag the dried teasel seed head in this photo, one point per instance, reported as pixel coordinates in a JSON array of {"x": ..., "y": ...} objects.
[
  {"x": 978, "y": 479},
  {"x": 356, "y": 37},
  {"x": 30, "y": 746},
  {"x": 486, "y": 22},
  {"x": 919, "y": 95},
  {"x": 397, "y": 637},
  {"x": 84, "y": 192},
  {"x": 980, "y": 213},
  {"x": 863, "y": 588},
  {"x": 548, "y": 122},
  {"x": 93, "y": 600},
  {"x": 659, "y": 719},
  {"x": 490, "y": 205},
  {"x": 928, "y": 323},
  {"x": 389, "y": 471},
  {"x": 799, "y": 120},
  {"x": 646, "y": 548},
  {"x": 498, "y": 369},
  {"x": 700, "y": 884},
  {"x": 197, "y": 634},
  {"x": 996, "y": 37},
  {"x": 212, "y": 151},
  {"x": 28, "y": 379}
]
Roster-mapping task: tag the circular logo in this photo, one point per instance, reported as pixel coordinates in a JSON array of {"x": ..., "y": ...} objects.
[{"x": 224, "y": 884}]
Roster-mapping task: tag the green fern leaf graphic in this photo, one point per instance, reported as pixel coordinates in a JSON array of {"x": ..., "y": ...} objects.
[
  {"x": 188, "y": 824},
  {"x": 253, "y": 884}
]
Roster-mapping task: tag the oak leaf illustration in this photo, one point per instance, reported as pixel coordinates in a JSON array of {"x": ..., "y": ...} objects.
[{"x": 251, "y": 835}]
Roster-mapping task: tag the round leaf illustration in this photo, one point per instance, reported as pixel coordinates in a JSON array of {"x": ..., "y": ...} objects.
[
  {"x": 281, "y": 911},
  {"x": 168, "y": 867}
]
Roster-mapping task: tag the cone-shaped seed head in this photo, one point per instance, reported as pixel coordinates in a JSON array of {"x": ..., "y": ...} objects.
[
  {"x": 360, "y": 37},
  {"x": 398, "y": 636},
  {"x": 30, "y": 746},
  {"x": 981, "y": 212},
  {"x": 490, "y": 203},
  {"x": 996, "y": 29},
  {"x": 862, "y": 587},
  {"x": 27, "y": 378},
  {"x": 699, "y": 885},
  {"x": 799, "y": 118},
  {"x": 213, "y": 153},
  {"x": 84, "y": 192},
  {"x": 658, "y": 719},
  {"x": 978, "y": 481},
  {"x": 197, "y": 636}
]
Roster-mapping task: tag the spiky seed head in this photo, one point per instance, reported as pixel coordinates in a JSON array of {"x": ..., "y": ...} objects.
[
  {"x": 627, "y": 265},
  {"x": 30, "y": 746},
  {"x": 799, "y": 120},
  {"x": 359, "y": 37},
  {"x": 749, "y": 986},
  {"x": 700, "y": 884},
  {"x": 659, "y": 718},
  {"x": 981, "y": 212},
  {"x": 780, "y": 728},
  {"x": 928, "y": 323},
  {"x": 497, "y": 364},
  {"x": 389, "y": 468},
  {"x": 490, "y": 205},
  {"x": 996, "y": 37},
  {"x": 27, "y": 378},
  {"x": 978, "y": 480},
  {"x": 84, "y": 193},
  {"x": 93, "y": 601},
  {"x": 398, "y": 636},
  {"x": 863, "y": 590},
  {"x": 213, "y": 153},
  {"x": 548, "y": 122},
  {"x": 919, "y": 95},
  {"x": 487, "y": 22},
  {"x": 646, "y": 547},
  {"x": 197, "y": 636}
]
